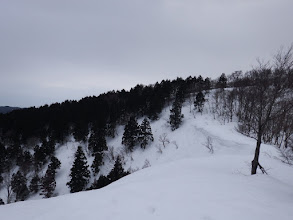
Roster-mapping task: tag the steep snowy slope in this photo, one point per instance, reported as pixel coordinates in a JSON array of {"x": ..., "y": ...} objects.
[{"x": 184, "y": 181}]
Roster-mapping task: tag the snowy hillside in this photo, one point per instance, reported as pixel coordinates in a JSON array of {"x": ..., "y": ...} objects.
[{"x": 183, "y": 180}]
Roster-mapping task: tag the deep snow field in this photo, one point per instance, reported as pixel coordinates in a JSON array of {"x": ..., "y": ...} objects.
[{"x": 184, "y": 180}]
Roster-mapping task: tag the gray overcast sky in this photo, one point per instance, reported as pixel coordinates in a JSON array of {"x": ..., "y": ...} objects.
[{"x": 55, "y": 50}]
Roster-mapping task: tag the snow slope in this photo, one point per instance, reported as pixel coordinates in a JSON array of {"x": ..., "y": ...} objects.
[{"x": 184, "y": 181}]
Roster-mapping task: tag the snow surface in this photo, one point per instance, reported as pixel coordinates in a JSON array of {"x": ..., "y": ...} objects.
[{"x": 184, "y": 181}]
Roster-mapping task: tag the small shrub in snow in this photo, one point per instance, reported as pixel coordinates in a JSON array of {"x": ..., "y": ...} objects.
[
  {"x": 159, "y": 149},
  {"x": 175, "y": 143},
  {"x": 146, "y": 164},
  {"x": 132, "y": 170},
  {"x": 286, "y": 155},
  {"x": 209, "y": 144},
  {"x": 164, "y": 140}
]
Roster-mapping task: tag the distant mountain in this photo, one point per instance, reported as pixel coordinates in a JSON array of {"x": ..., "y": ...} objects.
[{"x": 6, "y": 109}]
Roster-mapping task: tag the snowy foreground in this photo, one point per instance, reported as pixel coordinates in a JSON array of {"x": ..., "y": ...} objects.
[{"x": 184, "y": 181}]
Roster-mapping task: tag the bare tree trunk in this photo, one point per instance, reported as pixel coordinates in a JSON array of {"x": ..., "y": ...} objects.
[
  {"x": 255, "y": 163},
  {"x": 7, "y": 184}
]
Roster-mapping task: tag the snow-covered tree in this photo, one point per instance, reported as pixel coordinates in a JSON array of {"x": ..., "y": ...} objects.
[
  {"x": 130, "y": 135},
  {"x": 48, "y": 182},
  {"x": 117, "y": 172},
  {"x": 175, "y": 113},
  {"x": 199, "y": 101},
  {"x": 145, "y": 133}
]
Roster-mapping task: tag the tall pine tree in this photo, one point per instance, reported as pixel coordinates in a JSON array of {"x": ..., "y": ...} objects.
[
  {"x": 130, "y": 135},
  {"x": 19, "y": 187},
  {"x": 98, "y": 161},
  {"x": 79, "y": 175},
  {"x": 48, "y": 182},
  {"x": 175, "y": 113},
  {"x": 97, "y": 146},
  {"x": 97, "y": 141},
  {"x": 35, "y": 183},
  {"x": 199, "y": 101},
  {"x": 117, "y": 172},
  {"x": 145, "y": 133}
]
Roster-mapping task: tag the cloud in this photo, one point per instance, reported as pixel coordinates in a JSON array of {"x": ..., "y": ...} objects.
[{"x": 78, "y": 47}]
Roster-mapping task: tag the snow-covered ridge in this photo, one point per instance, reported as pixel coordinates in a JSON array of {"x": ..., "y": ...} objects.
[{"x": 184, "y": 180}]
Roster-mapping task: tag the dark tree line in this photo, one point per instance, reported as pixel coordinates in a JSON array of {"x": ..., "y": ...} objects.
[
  {"x": 28, "y": 137},
  {"x": 57, "y": 121}
]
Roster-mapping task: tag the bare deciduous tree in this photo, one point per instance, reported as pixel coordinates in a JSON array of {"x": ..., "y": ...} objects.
[
  {"x": 267, "y": 98},
  {"x": 164, "y": 140},
  {"x": 286, "y": 155},
  {"x": 146, "y": 164},
  {"x": 209, "y": 144},
  {"x": 8, "y": 187}
]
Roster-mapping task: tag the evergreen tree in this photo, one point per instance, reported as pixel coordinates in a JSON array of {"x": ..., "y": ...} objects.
[
  {"x": 97, "y": 141},
  {"x": 48, "y": 148},
  {"x": 48, "y": 182},
  {"x": 207, "y": 84},
  {"x": 110, "y": 129},
  {"x": 130, "y": 135},
  {"x": 117, "y": 172},
  {"x": 18, "y": 186},
  {"x": 79, "y": 172},
  {"x": 175, "y": 113},
  {"x": 199, "y": 101},
  {"x": 55, "y": 164},
  {"x": 153, "y": 107},
  {"x": 26, "y": 162},
  {"x": 80, "y": 131},
  {"x": 145, "y": 133},
  {"x": 222, "y": 82},
  {"x": 101, "y": 182},
  {"x": 2, "y": 160},
  {"x": 13, "y": 155},
  {"x": 35, "y": 184},
  {"x": 98, "y": 161},
  {"x": 40, "y": 157}
]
